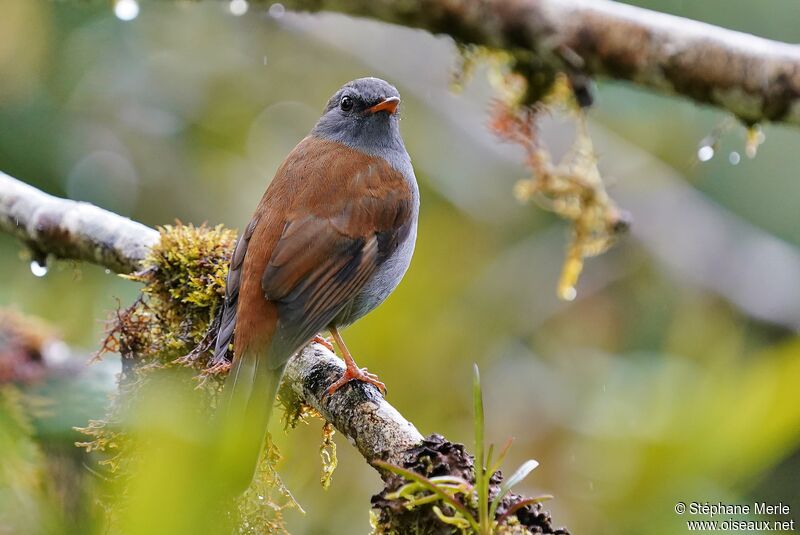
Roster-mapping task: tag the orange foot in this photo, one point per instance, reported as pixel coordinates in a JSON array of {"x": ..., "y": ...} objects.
[
  {"x": 352, "y": 373},
  {"x": 319, "y": 339}
]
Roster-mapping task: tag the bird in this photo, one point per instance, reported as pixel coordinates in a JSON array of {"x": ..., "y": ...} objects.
[{"x": 330, "y": 239}]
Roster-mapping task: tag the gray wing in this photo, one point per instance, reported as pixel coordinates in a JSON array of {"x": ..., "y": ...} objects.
[{"x": 228, "y": 321}]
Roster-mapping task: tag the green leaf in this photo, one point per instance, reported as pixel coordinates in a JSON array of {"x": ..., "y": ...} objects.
[
  {"x": 477, "y": 400},
  {"x": 431, "y": 486},
  {"x": 481, "y": 478},
  {"x": 521, "y": 473},
  {"x": 460, "y": 523},
  {"x": 500, "y": 457}
]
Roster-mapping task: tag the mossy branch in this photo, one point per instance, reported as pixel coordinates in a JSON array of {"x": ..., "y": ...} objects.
[
  {"x": 81, "y": 231},
  {"x": 755, "y": 79},
  {"x": 72, "y": 230}
]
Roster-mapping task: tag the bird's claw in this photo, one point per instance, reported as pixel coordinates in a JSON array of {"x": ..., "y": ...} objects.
[
  {"x": 356, "y": 374},
  {"x": 321, "y": 340}
]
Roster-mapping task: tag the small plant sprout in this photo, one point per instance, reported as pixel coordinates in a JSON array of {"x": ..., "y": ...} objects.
[{"x": 463, "y": 504}]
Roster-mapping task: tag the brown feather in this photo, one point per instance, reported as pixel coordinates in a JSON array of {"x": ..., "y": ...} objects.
[
  {"x": 325, "y": 199},
  {"x": 329, "y": 218}
]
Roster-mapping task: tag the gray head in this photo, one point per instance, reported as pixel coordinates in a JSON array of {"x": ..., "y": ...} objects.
[{"x": 363, "y": 114}]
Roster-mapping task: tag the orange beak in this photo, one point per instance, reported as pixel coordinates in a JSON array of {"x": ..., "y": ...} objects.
[{"x": 388, "y": 105}]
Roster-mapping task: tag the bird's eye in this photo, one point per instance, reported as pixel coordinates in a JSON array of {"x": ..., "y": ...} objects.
[{"x": 346, "y": 104}]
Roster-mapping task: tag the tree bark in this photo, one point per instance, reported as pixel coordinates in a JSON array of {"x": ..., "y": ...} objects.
[
  {"x": 72, "y": 230},
  {"x": 359, "y": 412},
  {"x": 753, "y": 78}
]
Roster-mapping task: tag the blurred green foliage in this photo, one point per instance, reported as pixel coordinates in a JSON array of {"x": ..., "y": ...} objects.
[
  {"x": 672, "y": 376},
  {"x": 160, "y": 421}
]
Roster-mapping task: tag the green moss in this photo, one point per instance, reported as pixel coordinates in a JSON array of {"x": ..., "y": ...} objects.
[{"x": 184, "y": 282}]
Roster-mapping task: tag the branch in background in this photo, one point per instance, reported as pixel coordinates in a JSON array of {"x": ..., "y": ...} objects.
[
  {"x": 30, "y": 351},
  {"x": 753, "y": 78}
]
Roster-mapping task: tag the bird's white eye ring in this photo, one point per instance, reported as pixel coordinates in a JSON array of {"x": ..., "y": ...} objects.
[{"x": 346, "y": 104}]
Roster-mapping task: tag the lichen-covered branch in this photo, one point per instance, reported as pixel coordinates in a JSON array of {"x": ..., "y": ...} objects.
[
  {"x": 72, "y": 230},
  {"x": 753, "y": 78},
  {"x": 359, "y": 412},
  {"x": 81, "y": 231}
]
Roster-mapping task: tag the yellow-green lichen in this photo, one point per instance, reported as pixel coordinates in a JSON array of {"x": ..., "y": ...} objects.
[
  {"x": 327, "y": 452},
  {"x": 572, "y": 188},
  {"x": 260, "y": 509},
  {"x": 295, "y": 412},
  {"x": 527, "y": 84}
]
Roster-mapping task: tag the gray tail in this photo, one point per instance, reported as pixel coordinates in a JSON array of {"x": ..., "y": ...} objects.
[{"x": 243, "y": 415}]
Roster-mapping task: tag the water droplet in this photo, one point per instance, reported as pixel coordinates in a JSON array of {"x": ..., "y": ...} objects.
[
  {"x": 569, "y": 294},
  {"x": 126, "y": 9},
  {"x": 238, "y": 7},
  {"x": 570, "y": 271},
  {"x": 705, "y": 153},
  {"x": 38, "y": 270},
  {"x": 108, "y": 271},
  {"x": 55, "y": 352},
  {"x": 734, "y": 158},
  {"x": 276, "y": 10},
  {"x": 260, "y": 497}
]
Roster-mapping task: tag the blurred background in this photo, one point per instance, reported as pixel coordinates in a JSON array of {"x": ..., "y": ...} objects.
[{"x": 672, "y": 377}]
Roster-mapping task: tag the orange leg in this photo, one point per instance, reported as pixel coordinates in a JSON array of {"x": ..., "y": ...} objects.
[
  {"x": 352, "y": 372},
  {"x": 319, "y": 339}
]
